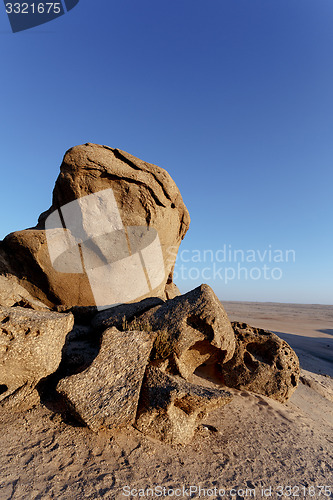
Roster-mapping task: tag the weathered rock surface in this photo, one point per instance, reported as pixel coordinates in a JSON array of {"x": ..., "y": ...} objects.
[
  {"x": 192, "y": 329},
  {"x": 110, "y": 238},
  {"x": 13, "y": 294},
  {"x": 31, "y": 345},
  {"x": 262, "y": 363},
  {"x": 145, "y": 195},
  {"x": 106, "y": 394},
  {"x": 171, "y": 290},
  {"x": 121, "y": 316},
  {"x": 170, "y": 409}
]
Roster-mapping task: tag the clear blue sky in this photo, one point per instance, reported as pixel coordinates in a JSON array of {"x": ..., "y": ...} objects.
[{"x": 233, "y": 97}]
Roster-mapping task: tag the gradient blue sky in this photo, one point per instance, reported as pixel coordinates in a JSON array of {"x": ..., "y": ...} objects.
[{"x": 233, "y": 97}]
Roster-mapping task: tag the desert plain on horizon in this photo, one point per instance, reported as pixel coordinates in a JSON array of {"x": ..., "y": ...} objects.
[{"x": 308, "y": 328}]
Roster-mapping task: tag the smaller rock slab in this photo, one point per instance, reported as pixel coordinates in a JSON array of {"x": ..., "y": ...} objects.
[
  {"x": 171, "y": 408},
  {"x": 31, "y": 344},
  {"x": 106, "y": 394}
]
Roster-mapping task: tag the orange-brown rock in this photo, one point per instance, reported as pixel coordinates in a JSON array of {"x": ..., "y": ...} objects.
[{"x": 146, "y": 197}]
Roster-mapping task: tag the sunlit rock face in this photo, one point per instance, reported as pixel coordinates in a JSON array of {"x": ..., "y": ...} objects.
[{"x": 110, "y": 236}]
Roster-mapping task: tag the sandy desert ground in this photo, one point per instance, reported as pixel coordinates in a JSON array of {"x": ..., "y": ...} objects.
[{"x": 254, "y": 447}]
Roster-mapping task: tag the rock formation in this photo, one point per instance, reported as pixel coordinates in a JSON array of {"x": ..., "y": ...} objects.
[
  {"x": 106, "y": 394},
  {"x": 109, "y": 241},
  {"x": 171, "y": 409},
  {"x": 192, "y": 329},
  {"x": 124, "y": 314},
  {"x": 146, "y": 197},
  {"x": 31, "y": 345},
  {"x": 262, "y": 363}
]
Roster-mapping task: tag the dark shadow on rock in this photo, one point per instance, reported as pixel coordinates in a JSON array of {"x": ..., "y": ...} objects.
[
  {"x": 120, "y": 316},
  {"x": 211, "y": 373},
  {"x": 81, "y": 347},
  {"x": 24, "y": 267},
  {"x": 83, "y": 315}
]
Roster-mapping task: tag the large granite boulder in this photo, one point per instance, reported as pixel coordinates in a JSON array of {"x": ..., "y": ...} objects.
[
  {"x": 112, "y": 232},
  {"x": 192, "y": 329},
  {"x": 31, "y": 344},
  {"x": 106, "y": 394},
  {"x": 170, "y": 409},
  {"x": 262, "y": 363}
]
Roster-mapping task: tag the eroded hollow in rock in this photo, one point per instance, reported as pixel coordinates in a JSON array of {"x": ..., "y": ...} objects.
[
  {"x": 197, "y": 323},
  {"x": 250, "y": 363},
  {"x": 264, "y": 352},
  {"x": 3, "y": 388},
  {"x": 293, "y": 380},
  {"x": 204, "y": 357},
  {"x": 184, "y": 404},
  {"x": 211, "y": 359}
]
